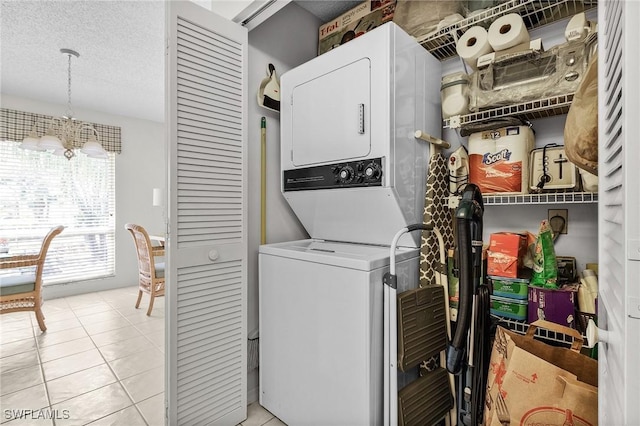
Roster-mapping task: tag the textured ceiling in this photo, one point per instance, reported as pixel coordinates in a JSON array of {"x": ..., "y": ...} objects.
[
  {"x": 121, "y": 65},
  {"x": 121, "y": 44}
]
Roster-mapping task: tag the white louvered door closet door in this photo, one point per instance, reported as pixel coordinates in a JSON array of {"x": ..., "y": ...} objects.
[
  {"x": 619, "y": 212},
  {"x": 207, "y": 245}
]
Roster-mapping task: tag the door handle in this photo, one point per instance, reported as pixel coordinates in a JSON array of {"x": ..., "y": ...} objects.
[
  {"x": 361, "y": 119},
  {"x": 213, "y": 255}
]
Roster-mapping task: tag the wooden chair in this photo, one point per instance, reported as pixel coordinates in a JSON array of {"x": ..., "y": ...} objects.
[
  {"x": 23, "y": 291},
  {"x": 150, "y": 272}
]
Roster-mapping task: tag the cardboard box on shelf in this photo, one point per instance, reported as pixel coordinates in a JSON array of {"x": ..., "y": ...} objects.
[
  {"x": 362, "y": 18},
  {"x": 557, "y": 306},
  {"x": 506, "y": 253}
]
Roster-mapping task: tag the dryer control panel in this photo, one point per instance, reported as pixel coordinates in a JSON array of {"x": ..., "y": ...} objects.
[{"x": 349, "y": 174}]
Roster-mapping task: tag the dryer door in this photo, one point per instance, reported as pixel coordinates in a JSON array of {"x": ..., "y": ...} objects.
[{"x": 331, "y": 115}]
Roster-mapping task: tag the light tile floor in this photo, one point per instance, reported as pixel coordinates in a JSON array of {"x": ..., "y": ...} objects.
[{"x": 101, "y": 362}]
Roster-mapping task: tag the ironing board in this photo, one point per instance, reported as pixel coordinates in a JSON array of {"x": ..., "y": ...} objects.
[{"x": 437, "y": 214}]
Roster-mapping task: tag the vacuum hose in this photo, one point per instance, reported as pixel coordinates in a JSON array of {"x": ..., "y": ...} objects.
[
  {"x": 469, "y": 224},
  {"x": 455, "y": 354}
]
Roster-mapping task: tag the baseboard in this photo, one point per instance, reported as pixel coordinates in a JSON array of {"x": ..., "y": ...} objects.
[{"x": 55, "y": 291}]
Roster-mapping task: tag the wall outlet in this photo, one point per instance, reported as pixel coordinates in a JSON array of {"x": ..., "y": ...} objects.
[{"x": 563, "y": 213}]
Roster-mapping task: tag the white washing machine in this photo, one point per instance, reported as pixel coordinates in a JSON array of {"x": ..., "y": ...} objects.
[
  {"x": 321, "y": 330},
  {"x": 354, "y": 175}
]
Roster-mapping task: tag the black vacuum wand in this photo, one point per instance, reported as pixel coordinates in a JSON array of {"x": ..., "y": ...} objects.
[
  {"x": 469, "y": 244},
  {"x": 466, "y": 354}
]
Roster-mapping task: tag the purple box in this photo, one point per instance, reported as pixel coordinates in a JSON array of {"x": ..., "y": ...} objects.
[{"x": 553, "y": 305}]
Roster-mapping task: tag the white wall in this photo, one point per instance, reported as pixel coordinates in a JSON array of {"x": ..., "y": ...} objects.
[
  {"x": 286, "y": 40},
  {"x": 139, "y": 168}
]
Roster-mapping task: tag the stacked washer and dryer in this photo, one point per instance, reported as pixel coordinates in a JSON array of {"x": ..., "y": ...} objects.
[{"x": 354, "y": 175}]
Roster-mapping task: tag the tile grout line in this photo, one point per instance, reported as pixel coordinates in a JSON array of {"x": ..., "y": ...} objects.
[
  {"x": 44, "y": 378},
  {"x": 113, "y": 372},
  {"x": 105, "y": 362},
  {"x": 93, "y": 342},
  {"x": 126, "y": 391},
  {"x": 54, "y": 421}
]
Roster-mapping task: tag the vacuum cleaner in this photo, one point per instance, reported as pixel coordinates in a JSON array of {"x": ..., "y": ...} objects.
[
  {"x": 468, "y": 351},
  {"x": 470, "y": 348}
]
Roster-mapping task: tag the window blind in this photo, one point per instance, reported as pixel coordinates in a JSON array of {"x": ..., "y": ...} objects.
[{"x": 39, "y": 190}]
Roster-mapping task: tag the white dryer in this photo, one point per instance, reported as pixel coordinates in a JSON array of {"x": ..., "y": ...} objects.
[{"x": 351, "y": 167}]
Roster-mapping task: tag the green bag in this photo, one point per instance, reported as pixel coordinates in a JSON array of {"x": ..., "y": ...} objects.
[{"x": 545, "y": 267}]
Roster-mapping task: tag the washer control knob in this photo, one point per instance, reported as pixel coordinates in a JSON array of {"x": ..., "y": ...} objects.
[
  {"x": 346, "y": 174},
  {"x": 373, "y": 171}
]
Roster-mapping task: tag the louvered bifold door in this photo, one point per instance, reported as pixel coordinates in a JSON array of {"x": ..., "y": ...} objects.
[
  {"x": 619, "y": 213},
  {"x": 207, "y": 252}
]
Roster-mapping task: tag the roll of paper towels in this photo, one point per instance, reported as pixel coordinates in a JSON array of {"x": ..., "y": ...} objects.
[
  {"x": 508, "y": 31},
  {"x": 473, "y": 44}
]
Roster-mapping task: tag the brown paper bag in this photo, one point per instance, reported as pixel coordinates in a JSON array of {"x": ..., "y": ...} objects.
[
  {"x": 581, "y": 126},
  {"x": 532, "y": 383}
]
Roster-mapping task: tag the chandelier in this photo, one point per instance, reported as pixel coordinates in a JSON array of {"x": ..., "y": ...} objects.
[{"x": 64, "y": 133}]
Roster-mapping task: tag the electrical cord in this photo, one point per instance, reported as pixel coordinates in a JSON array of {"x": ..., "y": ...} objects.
[{"x": 545, "y": 177}]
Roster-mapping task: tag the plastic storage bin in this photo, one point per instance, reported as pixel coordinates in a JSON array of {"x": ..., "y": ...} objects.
[
  {"x": 514, "y": 288},
  {"x": 509, "y": 308}
]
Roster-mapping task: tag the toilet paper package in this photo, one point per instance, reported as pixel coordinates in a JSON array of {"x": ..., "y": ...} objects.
[{"x": 499, "y": 160}]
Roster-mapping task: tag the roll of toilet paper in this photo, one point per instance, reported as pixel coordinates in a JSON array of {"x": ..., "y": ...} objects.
[
  {"x": 507, "y": 31},
  {"x": 473, "y": 44}
]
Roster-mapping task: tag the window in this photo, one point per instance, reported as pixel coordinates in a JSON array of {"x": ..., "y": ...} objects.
[{"x": 39, "y": 190}]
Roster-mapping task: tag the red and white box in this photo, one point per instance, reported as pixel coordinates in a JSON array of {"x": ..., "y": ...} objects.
[
  {"x": 366, "y": 16},
  {"x": 506, "y": 253}
]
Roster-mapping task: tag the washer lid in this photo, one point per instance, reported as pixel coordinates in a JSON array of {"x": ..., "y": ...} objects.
[{"x": 345, "y": 255}]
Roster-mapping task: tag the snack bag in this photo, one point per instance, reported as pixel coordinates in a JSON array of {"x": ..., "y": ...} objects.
[{"x": 545, "y": 268}]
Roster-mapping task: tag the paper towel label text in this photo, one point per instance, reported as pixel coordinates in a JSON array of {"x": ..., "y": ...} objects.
[{"x": 490, "y": 158}]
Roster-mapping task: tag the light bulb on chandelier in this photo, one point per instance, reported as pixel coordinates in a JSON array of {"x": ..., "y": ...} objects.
[{"x": 64, "y": 133}]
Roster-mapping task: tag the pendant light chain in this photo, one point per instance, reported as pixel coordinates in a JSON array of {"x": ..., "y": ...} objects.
[{"x": 69, "y": 107}]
